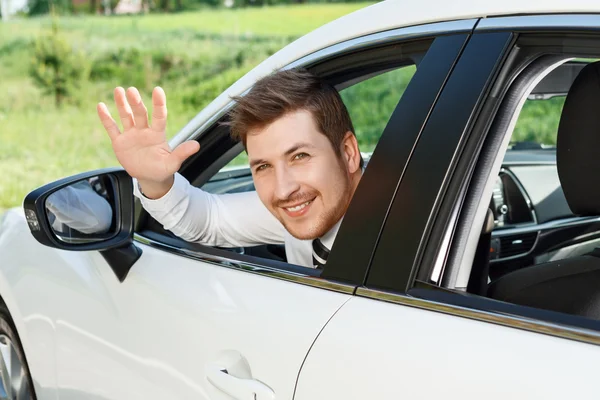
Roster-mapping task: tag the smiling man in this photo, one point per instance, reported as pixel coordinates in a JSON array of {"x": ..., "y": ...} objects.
[{"x": 303, "y": 155}]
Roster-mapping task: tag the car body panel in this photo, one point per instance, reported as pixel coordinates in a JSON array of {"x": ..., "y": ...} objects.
[
  {"x": 173, "y": 316},
  {"x": 147, "y": 338},
  {"x": 397, "y": 351}
]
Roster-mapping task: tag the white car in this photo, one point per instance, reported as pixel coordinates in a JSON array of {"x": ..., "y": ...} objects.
[{"x": 465, "y": 266}]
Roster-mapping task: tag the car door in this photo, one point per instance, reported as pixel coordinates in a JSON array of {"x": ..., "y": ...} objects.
[
  {"x": 191, "y": 321},
  {"x": 408, "y": 332}
]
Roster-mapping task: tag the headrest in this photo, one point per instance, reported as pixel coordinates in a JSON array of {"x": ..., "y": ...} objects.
[{"x": 578, "y": 143}]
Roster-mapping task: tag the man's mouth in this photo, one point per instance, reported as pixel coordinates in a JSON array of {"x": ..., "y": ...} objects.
[{"x": 299, "y": 209}]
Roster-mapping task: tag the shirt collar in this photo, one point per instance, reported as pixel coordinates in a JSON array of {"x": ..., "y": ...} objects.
[{"x": 328, "y": 238}]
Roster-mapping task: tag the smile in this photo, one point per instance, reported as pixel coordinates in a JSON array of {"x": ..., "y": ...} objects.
[
  {"x": 299, "y": 207},
  {"x": 298, "y": 210}
]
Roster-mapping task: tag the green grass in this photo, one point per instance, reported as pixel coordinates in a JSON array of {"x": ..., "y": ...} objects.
[
  {"x": 291, "y": 21},
  {"x": 210, "y": 48}
]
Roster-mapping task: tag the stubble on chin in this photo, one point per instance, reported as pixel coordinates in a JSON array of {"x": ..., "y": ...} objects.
[{"x": 319, "y": 226}]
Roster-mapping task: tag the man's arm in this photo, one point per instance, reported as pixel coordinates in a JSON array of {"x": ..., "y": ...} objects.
[
  {"x": 228, "y": 220},
  {"x": 194, "y": 215}
]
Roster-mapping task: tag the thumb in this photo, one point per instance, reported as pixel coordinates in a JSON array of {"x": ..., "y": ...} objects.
[{"x": 181, "y": 153}]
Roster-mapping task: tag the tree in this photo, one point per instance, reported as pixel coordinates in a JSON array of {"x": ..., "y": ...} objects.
[{"x": 56, "y": 68}]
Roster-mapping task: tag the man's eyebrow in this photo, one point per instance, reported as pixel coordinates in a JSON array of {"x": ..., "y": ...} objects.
[
  {"x": 297, "y": 147},
  {"x": 289, "y": 151},
  {"x": 253, "y": 163}
]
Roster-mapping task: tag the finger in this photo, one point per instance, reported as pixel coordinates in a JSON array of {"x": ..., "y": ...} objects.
[
  {"x": 140, "y": 114},
  {"x": 124, "y": 109},
  {"x": 181, "y": 153},
  {"x": 107, "y": 121},
  {"x": 159, "y": 109}
]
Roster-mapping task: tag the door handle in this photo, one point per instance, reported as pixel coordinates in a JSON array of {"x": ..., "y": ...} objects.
[{"x": 238, "y": 388}]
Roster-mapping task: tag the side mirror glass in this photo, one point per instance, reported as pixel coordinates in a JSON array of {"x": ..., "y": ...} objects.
[{"x": 84, "y": 211}]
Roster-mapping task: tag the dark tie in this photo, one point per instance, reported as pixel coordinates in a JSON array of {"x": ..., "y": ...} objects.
[{"x": 319, "y": 254}]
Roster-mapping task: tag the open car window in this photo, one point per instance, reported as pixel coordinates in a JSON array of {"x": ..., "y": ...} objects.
[
  {"x": 399, "y": 83},
  {"x": 370, "y": 104}
]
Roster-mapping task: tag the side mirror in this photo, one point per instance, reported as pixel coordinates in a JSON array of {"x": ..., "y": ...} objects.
[{"x": 89, "y": 211}]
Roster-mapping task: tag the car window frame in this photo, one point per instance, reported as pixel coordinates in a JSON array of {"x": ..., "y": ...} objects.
[
  {"x": 337, "y": 275},
  {"x": 422, "y": 188},
  {"x": 413, "y": 292}
]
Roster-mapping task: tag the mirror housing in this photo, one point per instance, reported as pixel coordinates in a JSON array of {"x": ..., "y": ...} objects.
[{"x": 116, "y": 245}]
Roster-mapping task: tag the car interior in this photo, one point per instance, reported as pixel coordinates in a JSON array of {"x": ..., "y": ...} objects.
[{"x": 540, "y": 242}]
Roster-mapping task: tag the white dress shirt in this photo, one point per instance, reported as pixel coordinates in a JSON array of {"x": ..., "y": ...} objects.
[{"x": 226, "y": 220}]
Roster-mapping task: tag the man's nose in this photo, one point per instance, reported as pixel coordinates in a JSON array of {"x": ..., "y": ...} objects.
[{"x": 286, "y": 183}]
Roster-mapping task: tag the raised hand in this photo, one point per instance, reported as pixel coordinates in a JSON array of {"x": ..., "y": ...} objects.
[{"x": 142, "y": 148}]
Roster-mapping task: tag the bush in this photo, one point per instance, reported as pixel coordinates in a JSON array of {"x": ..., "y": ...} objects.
[
  {"x": 129, "y": 67},
  {"x": 57, "y": 68},
  {"x": 198, "y": 96},
  {"x": 142, "y": 68}
]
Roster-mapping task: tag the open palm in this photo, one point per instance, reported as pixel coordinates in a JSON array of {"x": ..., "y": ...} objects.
[{"x": 141, "y": 148}]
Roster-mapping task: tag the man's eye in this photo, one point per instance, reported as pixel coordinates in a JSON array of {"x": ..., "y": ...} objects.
[
  {"x": 261, "y": 167},
  {"x": 300, "y": 156}
]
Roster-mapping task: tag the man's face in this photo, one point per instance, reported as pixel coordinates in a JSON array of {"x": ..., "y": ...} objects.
[{"x": 299, "y": 177}]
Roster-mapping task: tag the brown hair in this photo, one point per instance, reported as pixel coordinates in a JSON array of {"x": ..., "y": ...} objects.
[{"x": 287, "y": 91}]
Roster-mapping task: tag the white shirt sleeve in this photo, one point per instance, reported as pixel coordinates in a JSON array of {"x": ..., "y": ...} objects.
[
  {"x": 226, "y": 220},
  {"x": 79, "y": 207}
]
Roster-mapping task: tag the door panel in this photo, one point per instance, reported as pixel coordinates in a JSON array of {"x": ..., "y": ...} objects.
[
  {"x": 175, "y": 319},
  {"x": 396, "y": 351}
]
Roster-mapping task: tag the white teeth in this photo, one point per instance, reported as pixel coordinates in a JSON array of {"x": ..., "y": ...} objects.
[{"x": 297, "y": 208}]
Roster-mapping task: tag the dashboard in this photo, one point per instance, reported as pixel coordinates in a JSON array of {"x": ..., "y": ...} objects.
[
  {"x": 510, "y": 203},
  {"x": 533, "y": 221}
]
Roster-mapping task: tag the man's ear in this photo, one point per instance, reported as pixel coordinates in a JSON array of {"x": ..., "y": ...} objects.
[{"x": 350, "y": 152}]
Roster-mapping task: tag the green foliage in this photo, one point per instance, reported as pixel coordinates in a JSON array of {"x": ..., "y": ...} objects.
[
  {"x": 40, "y": 7},
  {"x": 129, "y": 67},
  {"x": 199, "y": 96},
  {"x": 57, "y": 68},
  {"x": 371, "y": 103},
  {"x": 538, "y": 121}
]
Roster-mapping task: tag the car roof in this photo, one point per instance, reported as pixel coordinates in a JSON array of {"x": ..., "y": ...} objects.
[{"x": 379, "y": 17}]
